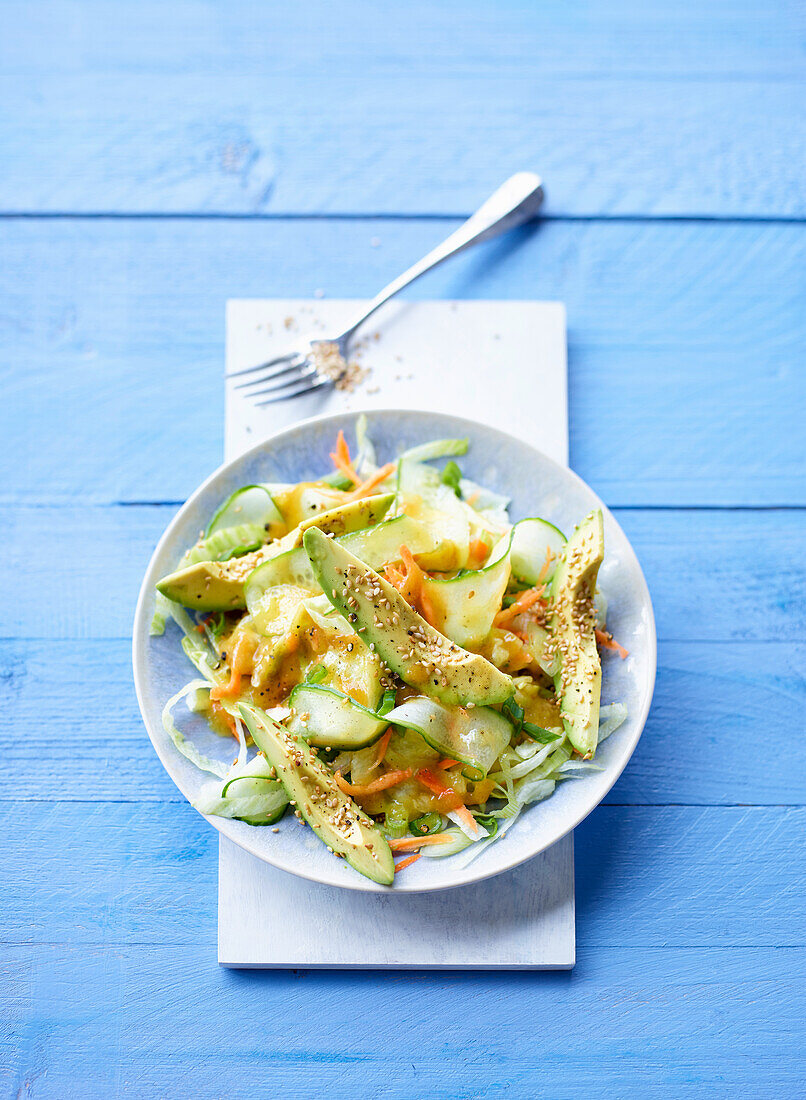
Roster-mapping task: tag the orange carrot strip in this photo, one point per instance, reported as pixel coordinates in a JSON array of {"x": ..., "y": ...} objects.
[
  {"x": 394, "y": 576},
  {"x": 383, "y": 745},
  {"x": 524, "y": 601},
  {"x": 414, "y": 583},
  {"x": 446, "y": 763},
  {"x": 607, "y": 641},
  {"x": 479, "y": 550},
  {"x": 428, "y": 779},
  {"x": 471, "y": 500},
  {"x": 391, "y": 779},
  {"x": 342, "y": 461},
  {"x": 467, "y": 817},
  {"x": 541, "y": 576},
  {"x": 406, "y": 862},
  {"x": 408, "y": 843},
  {"x": 363, "y": 488}
]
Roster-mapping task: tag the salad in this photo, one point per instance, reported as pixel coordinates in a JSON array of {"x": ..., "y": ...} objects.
[{"x": 399, "y": 664}]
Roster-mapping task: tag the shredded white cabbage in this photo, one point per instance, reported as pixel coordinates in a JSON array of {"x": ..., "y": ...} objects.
[{"x": 187, "y": 748}]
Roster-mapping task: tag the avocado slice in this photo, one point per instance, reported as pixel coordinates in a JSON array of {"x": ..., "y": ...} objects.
[
  {"x": 353, "y": 516},
  {"x": 311, "y": 789},
  {"x": 219, "y": 586},
  {"x": 404, "y": 641},
  {"x": 211, "y": 585},
  {"x": 578, "y": 682}
]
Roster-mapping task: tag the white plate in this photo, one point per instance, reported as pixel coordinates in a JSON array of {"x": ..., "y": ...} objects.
[{"x": 537, "y": 486}]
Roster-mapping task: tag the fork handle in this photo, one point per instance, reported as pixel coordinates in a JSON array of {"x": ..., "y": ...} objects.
[{"x": 515, "y": 202}]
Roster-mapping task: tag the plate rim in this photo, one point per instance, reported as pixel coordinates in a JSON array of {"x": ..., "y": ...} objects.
[{"x": 230, "y": 828}]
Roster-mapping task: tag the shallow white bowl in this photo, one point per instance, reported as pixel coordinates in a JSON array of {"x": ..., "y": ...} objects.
[{"x": 537, "y": 486}]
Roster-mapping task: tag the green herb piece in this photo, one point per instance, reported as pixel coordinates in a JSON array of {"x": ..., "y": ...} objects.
[
  {"x": 388, "y": 702},
  {"x": 316, "y": 674},
  {"x": 514, "y": 712},
  {"x": 489, "y": 823},
  {"x": 451, "y": 476},
  {"x": 426, "y": 825},
  {"x": 537, "y": 733},
  {"x": 396, "y": 822}
]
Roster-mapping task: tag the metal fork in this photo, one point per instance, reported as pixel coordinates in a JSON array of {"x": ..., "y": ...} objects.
[{"x": 295, "y": 373}]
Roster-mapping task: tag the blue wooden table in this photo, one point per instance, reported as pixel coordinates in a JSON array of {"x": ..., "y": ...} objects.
[{"x": 158, "y": 158}]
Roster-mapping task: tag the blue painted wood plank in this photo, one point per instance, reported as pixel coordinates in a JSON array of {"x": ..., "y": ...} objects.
[
  {"x": 146, "y": 1021},
  {"x": 720, "y": 40},
  {"x": 686, "y": 343},
  {"x": 646, "y": 876},
  {"x": 713, "y": 576},
  {"x": 242, "y": 108},
  {"x": 707, "y": 740}
]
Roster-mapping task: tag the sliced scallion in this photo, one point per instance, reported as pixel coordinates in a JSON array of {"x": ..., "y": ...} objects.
[{"x": 426, "y": 825}]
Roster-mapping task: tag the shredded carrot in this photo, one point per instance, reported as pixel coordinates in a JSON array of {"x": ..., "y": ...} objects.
[
  {"x": 607, "y": 641},
  {"x": 391, "y": 779},
  {"x": 467, "y": 817},
  {"x": 342, "y": 461},
  {"x": 406, "y": 862},
  {"x": 471, "y": 500},
  {"x": 409, "y": 843},
  {"x": 414, "y": 591},
  {"x": 524, "y": 601},
  {"x": 428, "y": 779},
  {"x": 394, "y": 576},
  {"x": 364, "y": 488},
  {"x": 446, "y": 763},
  {"x": 200, "y": 627},
  {"x": 479, "y": 551},
  {"x": 383, "y": 745},
  {"x": 541, "y": 576}
]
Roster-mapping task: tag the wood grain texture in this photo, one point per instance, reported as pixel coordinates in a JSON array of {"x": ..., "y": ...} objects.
[
  {"x": 686, "y": 343},
  {"x": 646, "y": 876},
  {"x": 244, "y": 108},
  {"x": 707, "y": 741},
  {"x": 635, "y": 1023},
  {"x": 714, "y": 576}
]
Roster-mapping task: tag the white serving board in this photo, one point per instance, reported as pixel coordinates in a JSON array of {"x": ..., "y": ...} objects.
[{"x": 496, "y": 362}]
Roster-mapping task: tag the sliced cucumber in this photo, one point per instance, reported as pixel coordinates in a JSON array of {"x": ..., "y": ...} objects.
[
  {"x": 251, "y": 793},
  {"x": 291, "y": 567},
  {"x": 467, "y": 604},
  {"x": 330, "y": 719},
  {"x": 532, "y": 539},
  {"x": 249, "y": 504},
  {"x": 475, "y": 737},
  {"x": 381, "y": 544}
]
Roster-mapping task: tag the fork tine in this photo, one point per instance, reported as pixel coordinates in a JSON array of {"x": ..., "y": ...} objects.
[
  {"x": 297, "y": 364},
  {"x": 295, "y": 393},
  {"x": 283, "y": 383},
  {"x": 289, "y": 355}
]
